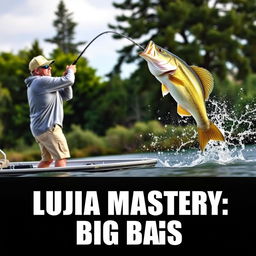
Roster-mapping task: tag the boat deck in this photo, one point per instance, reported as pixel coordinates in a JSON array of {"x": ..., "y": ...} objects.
[{"x": 98, "y": 165}]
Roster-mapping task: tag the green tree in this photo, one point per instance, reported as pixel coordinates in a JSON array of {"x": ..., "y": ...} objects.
[
  {"x": 246, "y": 33},
  {"x": 215, "y": 35},
  {"x": 65, "y": 30},
  {"x": 211, "y": 34},
  {"x": 35, "y": 50},
  {"x": 5, "y": 98},
  {"x": 109, "y": 106},
  {"x": 14, "y": 109}
]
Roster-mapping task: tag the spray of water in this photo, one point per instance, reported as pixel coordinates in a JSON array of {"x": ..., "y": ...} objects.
[{"x": 237, "y": 129}]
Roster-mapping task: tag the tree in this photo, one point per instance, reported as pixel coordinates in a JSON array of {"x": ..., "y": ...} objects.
[
  {"x": 5, "y": 98},
  {"x": 65, "y": 30},
  {"x": 34, "y": 51},
  {"x": 247, "y": 33},
  {"x": 213, "y": 34},
  {"x": 13, "y": 109},
  {"x": 109, "y": 106}
]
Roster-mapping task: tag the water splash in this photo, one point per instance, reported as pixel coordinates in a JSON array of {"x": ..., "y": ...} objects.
[{"x": 237, "y": 129}]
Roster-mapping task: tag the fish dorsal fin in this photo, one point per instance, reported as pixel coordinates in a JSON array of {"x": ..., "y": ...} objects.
[
  {"x": 206, "y": 79},
  {"x": 165, "y": 90},
  {"x": 182, "y": 112}
]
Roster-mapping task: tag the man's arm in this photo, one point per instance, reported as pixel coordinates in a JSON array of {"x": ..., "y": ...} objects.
[
  {"x": 51, "y": 84},
  {"x": 67, "y": 93}
]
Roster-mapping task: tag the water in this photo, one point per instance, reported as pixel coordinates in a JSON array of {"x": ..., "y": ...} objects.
[
  {"x": 191, "y": 163},
  {"x": 230, "y": 158},
  {"x": 186, "y": 163}
]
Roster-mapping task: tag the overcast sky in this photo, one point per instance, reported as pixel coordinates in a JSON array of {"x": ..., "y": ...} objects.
[{"x": 23, "y": 21}]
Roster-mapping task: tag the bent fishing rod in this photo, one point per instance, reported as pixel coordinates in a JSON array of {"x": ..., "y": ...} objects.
[{"x": 105, "y": 32}]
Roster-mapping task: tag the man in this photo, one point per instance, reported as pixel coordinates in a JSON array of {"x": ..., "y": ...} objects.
[{"x": 45, "y": 97}]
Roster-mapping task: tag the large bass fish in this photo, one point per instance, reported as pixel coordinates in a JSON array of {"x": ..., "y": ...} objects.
[{"x": 190, "y": 86}]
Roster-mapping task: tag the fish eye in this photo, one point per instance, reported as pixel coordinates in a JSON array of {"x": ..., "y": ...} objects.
[{"x": 159, "y": 49}]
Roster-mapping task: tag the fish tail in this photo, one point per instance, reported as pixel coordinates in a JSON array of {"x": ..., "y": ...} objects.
[{"x": 213, "y": 133}]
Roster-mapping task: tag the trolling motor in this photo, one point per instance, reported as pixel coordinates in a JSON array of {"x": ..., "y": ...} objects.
[{"x": 105, "y": 32}]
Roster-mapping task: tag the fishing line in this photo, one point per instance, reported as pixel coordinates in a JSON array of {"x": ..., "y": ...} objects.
[{"x": 105, "y": 32}]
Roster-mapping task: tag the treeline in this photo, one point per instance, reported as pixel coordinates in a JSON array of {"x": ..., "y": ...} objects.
[
  {"x": 217, "y": 35},
  {"x": 100, "y": 106},
  {"x": 149, "y": 136}
]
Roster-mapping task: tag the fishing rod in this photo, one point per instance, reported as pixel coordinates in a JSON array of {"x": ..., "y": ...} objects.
[{"x": 105, "y": 32}]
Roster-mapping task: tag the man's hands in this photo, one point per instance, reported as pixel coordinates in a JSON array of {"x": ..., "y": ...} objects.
[{"x": 72, "y": 67}]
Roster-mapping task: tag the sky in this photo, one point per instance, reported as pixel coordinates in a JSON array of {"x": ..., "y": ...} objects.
[{"x": 23, "y": 21}]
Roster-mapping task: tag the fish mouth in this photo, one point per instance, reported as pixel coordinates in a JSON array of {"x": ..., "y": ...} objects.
[
  {"x": 158, "y": 67},
  {"x": 149, "y": 51}
]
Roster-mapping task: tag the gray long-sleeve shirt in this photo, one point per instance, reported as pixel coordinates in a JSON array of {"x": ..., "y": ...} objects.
[{"x": 45, "y": 97}]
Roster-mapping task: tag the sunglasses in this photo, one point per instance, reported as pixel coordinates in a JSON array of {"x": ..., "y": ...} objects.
[{"x": 45, "y": 67}]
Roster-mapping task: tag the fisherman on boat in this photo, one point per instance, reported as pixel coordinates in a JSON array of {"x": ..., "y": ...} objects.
[{"x": 45, "y": 97}]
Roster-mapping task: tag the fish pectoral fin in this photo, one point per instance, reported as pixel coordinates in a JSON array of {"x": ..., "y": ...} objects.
[
  {"x": 213, "y": 133},
  {"x": 206, "y": 79},
  {"x": 175, "y": 80},
  {"x": 182, "y": 112},
  {"x": 165, "y": 90}
]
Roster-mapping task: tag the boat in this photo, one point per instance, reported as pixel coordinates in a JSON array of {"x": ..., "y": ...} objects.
[{"x": 75, "y": 165}]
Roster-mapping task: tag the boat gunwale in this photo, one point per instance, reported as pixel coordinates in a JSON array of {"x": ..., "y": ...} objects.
[{"x": 89, "y": 165}]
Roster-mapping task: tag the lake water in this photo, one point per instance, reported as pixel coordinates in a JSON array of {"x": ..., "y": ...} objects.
[
  {"x": 238, "y": 162},
  {"x": 214, "y": 162}
]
